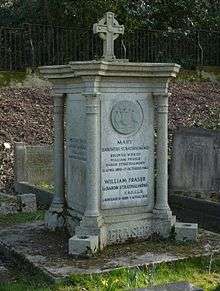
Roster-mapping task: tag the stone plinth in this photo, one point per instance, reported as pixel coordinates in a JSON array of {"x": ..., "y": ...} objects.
[{"x": 113, "y": 111}]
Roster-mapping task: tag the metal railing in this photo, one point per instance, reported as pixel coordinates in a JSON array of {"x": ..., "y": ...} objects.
[{"x": 37, "y": 45}]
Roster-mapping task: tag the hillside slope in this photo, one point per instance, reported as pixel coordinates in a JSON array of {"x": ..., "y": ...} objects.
[{"x": 26, "y": 115}]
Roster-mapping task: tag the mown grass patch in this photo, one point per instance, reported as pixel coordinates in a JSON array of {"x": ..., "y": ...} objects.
[
  {"x": 21, "y": 217},
  {"x": 195, "y": 271}
]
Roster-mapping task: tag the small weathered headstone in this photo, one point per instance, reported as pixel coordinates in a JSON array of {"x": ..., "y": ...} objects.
[
  {"x": 34, "y": 164},
  {"x": 195, "y": 167},
  {"x": 28, "y": 202}
]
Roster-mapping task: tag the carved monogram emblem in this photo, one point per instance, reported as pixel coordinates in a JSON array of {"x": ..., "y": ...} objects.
[{"x": 126, "y": 117}]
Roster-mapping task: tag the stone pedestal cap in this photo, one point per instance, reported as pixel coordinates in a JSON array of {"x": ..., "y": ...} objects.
[{"x": 112, "y": 69}]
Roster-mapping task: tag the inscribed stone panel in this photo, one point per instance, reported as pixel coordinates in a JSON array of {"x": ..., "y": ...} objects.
[{"x": 126, "y": 152}]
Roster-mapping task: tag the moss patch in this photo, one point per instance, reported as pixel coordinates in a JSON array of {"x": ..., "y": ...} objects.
[
  {"x": 21, "y": 217},
  {"x": 11, "y": 78}
]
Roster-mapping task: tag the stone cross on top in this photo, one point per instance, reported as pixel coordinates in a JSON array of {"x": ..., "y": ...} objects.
[{"x": 108, "y": 29}]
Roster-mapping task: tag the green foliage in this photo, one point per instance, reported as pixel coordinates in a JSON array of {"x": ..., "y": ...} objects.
[
  {"x": 8, "y": 78},
  {"x": 45, "y": 186},
  {"x": 195, "y": 271},
  {"x": 184, "y": 14}
]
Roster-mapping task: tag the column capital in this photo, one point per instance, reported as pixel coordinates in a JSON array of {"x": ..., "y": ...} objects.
[
  {"x": 91, "y": 85},
  {"x": 161, "y": 95},
  {"x": 92, "y": 104},
  {"x": 57, "y": 95},
  {"x": 58, "y": 104},
  {"x": 91, "y": 95}
]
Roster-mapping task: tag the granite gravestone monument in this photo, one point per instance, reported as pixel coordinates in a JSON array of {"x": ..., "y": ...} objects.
[{"x": 110, "y": 111}]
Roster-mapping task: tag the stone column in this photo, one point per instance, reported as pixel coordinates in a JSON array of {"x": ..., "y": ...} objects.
[
  {"x": 87, "y": 236},
  {"x": 93, "y": 156},
  {"x": 59, "y": 149},
  {"x": 54, "y": 217},
  {"x": 161, "y": 204}
]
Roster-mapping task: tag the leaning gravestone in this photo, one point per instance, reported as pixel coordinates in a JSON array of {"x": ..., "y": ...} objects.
[
  {"x": 195, "y": 167},
  {"x": 109, "y": 108}
]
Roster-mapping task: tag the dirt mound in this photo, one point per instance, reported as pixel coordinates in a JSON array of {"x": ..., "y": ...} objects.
[
  {"x": 26, "y": 116},
  {"x": 194, "y": 105}
]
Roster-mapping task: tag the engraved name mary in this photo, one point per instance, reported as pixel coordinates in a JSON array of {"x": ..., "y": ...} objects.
[{"x": 126, "y": 117}]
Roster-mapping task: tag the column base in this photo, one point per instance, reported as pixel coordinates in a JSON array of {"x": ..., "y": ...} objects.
[
  {"x": 54, "y": 218},
  {"x": 90, "y": 236},
  {"x": 90, "y": 225},
  {"x": 83, "y": 246},
  {"x": 165, "y": 213},
  {"x": 163, "y": 222}
]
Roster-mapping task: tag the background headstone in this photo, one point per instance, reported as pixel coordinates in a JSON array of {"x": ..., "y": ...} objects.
[
  {"x": 34, "y": 164},
  {"x": 195, "y": 167}
]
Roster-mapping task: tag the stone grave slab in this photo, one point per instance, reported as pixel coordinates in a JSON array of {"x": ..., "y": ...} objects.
[{"x": 47, "y": 252}]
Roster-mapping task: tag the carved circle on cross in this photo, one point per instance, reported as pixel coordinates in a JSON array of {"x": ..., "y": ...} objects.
[{"x": 111, "y": 27}]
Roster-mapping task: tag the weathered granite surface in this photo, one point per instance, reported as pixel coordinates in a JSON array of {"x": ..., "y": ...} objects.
[
  {"x": 34, "y": 164},
  {"x": 195, "y": 166},
  {"x": 48, "y": 251}
]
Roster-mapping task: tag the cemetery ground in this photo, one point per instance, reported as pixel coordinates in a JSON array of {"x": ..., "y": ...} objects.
[
  {"x": 24, "y": 114},
  {"x": 201, "y": 271}
]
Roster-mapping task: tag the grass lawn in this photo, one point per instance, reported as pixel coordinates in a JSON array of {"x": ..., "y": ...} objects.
[{"x": 195, "y": 271}]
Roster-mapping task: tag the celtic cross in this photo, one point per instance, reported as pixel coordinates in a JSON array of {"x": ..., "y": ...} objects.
[{"x": 108, "y": 29}]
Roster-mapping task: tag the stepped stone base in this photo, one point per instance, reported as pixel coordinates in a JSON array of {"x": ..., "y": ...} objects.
[{"x": 32, "y": 245}]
